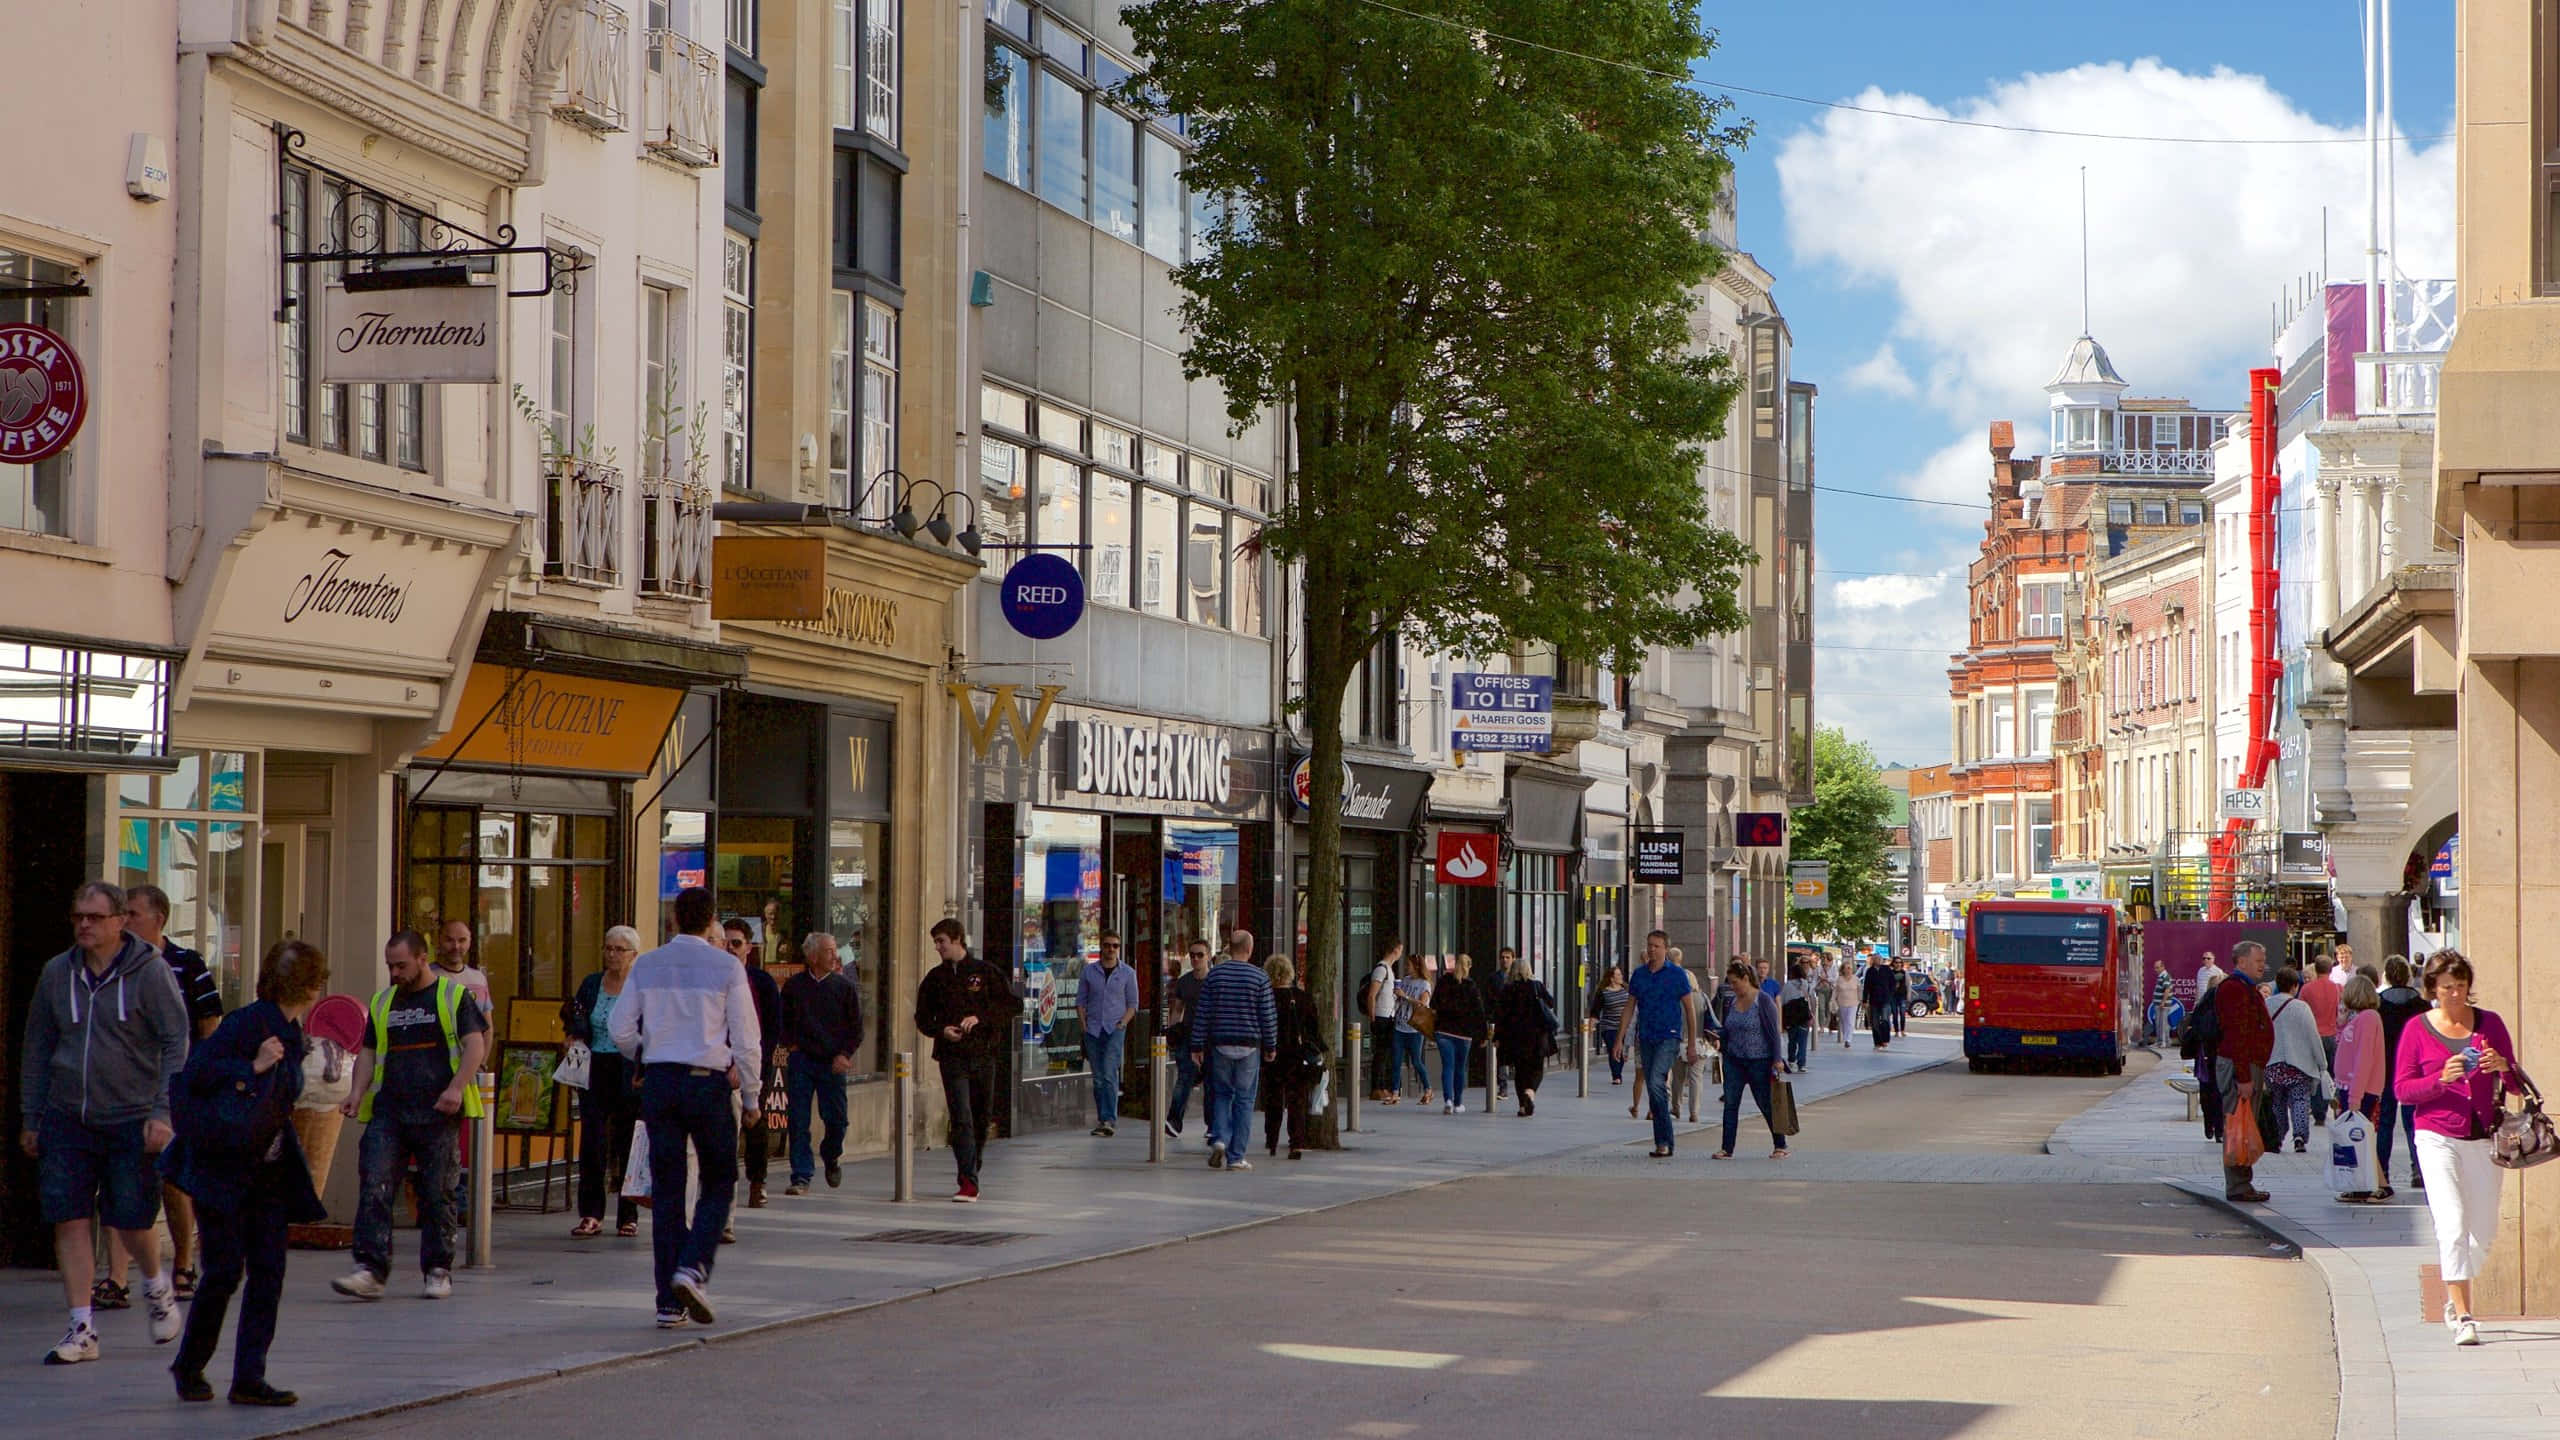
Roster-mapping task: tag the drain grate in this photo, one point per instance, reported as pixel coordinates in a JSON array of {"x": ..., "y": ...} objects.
[{"x": 939, "y": 1237}]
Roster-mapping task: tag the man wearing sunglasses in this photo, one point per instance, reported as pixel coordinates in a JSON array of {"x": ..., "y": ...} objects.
[{"x": 106, "y": 1032}]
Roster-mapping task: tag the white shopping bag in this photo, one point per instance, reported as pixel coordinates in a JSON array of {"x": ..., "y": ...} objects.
[
  {"x": 635, "y": 1174},
  {"x": 2351, "y": 1154}
]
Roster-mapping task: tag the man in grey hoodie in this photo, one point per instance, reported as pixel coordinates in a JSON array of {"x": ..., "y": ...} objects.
[{"x": 106, "y": 1032}]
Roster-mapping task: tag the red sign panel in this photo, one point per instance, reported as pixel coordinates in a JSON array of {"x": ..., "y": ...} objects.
[
  {"x": 1763, "y": 828},
  {"x": 1469, "y": 858},
  {"x": 43, "y": 395}
]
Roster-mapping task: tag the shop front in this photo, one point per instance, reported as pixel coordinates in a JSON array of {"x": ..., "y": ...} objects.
[
  {"x": 1159, "y": 831},
  {"x": 1543, "y": 875},
  {"x": 1382, "y": 864},
  {"x": 820, "y": 802}
]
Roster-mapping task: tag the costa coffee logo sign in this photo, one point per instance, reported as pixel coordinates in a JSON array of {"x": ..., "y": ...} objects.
[
  {"x": 43, "y": 394},
  {"x": 329, "y": 590}
]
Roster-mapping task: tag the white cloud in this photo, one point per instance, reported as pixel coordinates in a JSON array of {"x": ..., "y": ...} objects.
[
  {"x": 1975, "y": 234},
  {"x": 1880, "y": 663},
  {"x": 1882, "y": 372},
  {"x": 1886, "y": 592}
]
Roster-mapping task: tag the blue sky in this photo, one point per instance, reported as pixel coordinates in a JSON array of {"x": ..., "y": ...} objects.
[{"x": 1930, "y": 273}]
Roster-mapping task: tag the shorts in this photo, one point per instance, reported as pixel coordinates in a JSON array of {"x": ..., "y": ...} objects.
[{"x": 101, "y": 1171}]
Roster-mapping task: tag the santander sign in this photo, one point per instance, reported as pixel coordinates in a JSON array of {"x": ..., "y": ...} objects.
[{"x": 1468, "y": 858}]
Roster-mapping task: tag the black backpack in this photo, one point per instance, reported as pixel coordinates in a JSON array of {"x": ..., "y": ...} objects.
[
  {"x": 2202, "y": 1037},
  {"x": 1796, "y": 1013}
]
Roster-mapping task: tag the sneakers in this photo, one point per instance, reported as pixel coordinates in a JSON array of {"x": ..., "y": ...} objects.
[
  {"x": 2450, "y": 1315},
  {"x": 673, "y": 1320},
  {"x": 438, "y": 1285},
  {"x": 835, "y": 1174},
  {"x": 165, "y": 1320},
  {"x": 2465, "y": 1332},
  {"x": 1172, "y": 1131},
  {"x": 967, "y": 1193},
  {"x": 1239, "y": 1163},
  {"x": 1217, "y": 1155},
  {"x": 259, "y": 1392},
  {"x": 694, "y": 1294},
  {"x": 359, "y": 1283},
  {"x": 1100, "y": 1132},
  {"x": 796, "y": 1187},
  {"x": 79, "y": 1343}
]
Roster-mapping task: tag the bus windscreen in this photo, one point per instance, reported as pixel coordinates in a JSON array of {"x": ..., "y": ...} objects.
[{"x": 2040, "y": 938}]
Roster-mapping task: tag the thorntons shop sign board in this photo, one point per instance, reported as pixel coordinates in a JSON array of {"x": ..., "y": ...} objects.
[{"x": 427, "y": 335}]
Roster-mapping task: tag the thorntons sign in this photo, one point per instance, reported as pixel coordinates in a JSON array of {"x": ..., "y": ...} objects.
[
  {"x": 1146, "y": 763},
  {"x": 429, "y": 335},
  {"x": 329, "y": 590}
]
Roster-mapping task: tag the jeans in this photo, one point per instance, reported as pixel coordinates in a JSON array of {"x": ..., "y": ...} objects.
[
  {"x": 2395, "y": 1116},
  {"x": 1799, "y": 1043},
  {"x": 755, "y": 1139},
  {"x": 1233, "y": 1080},
  {"x": 606, "y": 1111},
  {"x": 1654, "y": 1059},
  {"x": 1609, "y": 1047},
  {"x": 250, "y": 1241},
  {"x": 1901, "y": 1015},
  {"x": 681, "y": 1104},
  {"x": 809, "y": 1078},
  {"x": 1408, "y": 1052},
  {"x": 1102, "y": 1055},
  {"x": 1453, "y": 1068},
  {"x": 969, "y": 1093},
  {"x": 1187, "y": 1075},
  {"x": 383, "y": 1158},
  {"x": 1753, "y": 1075}
]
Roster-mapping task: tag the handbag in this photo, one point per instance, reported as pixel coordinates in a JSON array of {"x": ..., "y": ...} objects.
[
  {"x": 2524, "y": 1138},
  {"x": 1782, "y": 1107},
  {"x": 229, "y": 1121},
  {"x": 576, "y": 1067},
  {"x": 1423, "y": 1018}
]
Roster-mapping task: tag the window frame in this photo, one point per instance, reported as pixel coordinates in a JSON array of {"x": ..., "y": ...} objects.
[
  {"x": 67, "y": 469},
  {"x": 399, "y": 416},
  {"x": 737, "y": 356}
]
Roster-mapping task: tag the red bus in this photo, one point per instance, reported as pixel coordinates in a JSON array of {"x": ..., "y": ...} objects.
[{"x": 2044, "y": 980}]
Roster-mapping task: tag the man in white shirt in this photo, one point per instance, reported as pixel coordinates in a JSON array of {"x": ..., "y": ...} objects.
[
  {"x": 1382, "y": 1022},
  {"x": 687, "y": 1019}
]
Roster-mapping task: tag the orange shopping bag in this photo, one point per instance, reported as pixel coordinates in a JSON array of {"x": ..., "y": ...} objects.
[{"x": 2241, "y": 1143}]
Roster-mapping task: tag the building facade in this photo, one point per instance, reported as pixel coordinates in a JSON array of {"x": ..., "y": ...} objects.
[{"x": 2157, "y": 700}]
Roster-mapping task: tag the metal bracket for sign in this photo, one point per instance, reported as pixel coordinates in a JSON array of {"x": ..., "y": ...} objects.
[
  {"x": 357, "y": 230},
  {"x": 1061, "y": 546},
  {"x": 21, "y": 287}
]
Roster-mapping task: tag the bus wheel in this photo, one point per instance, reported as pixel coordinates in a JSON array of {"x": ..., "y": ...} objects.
[
  {"x": 2116, "y": 1066},
  {"x": 1975, "y": 1064}
]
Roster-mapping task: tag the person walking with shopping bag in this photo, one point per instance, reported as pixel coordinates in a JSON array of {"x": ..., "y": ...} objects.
[
  {"x": 609, "y": 1103},
  {"x": 2361, "y": 1067},
  {"x": 2455, "y": 1068},
  {"x": 1750, "y": 1046},
  {"x": 1291, "y": 1082},
  {"x": 2244, "y": 1041}
]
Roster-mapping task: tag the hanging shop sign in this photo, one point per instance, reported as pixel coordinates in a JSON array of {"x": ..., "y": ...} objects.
[
  {"x": 1501, "y": 712},
  {"x": 2238, "y": 804},
  {"x": 540, "y": 720},
  {"x": 2302, "y": 855},
  {"x": 1147, "y": 762},
  {"x": 44, "y": 395},
  {"x": 1374, "y": 797},
  {"x": 1042, "y": 596},
  {"x": 1661, "y": 857},
  {"x": 759, "y": 577},
  {"x": 2077, "y": 885},
  {"x": 1809, "y": 884},
  {"x": 2446, "y": 868},
  {"x": 1006, "y": 710},
  {"x": 1468, "y": 857},
  {"x": 418, "y": 335},
  {"x": 1760, "y": 829}
]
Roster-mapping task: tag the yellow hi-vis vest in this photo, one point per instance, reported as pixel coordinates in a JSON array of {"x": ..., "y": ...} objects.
[{"x": 449, "y": 994}]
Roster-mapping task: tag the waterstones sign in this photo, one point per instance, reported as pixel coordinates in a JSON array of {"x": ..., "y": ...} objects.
[
  {"x": 1144, "y": 762},
  {"x": 426, "y": 335}
]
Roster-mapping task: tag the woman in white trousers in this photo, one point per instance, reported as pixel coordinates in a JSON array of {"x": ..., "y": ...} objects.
[{"x": 2456, "y": 1064}]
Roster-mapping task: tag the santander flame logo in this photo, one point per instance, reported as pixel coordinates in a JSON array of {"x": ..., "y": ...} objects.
[{"x": 1466, "y": 864}]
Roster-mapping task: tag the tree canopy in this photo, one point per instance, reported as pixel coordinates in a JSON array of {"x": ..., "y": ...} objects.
[{"x": 1848, "y": 824}]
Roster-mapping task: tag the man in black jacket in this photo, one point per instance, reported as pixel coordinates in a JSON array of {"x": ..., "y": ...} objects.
[
  {"x": 1881, "y": 985},
  {"x": 965, "y": 1004},
  {"x": 822, "y": 1026},
  {"x": 755, "y": 1142}
]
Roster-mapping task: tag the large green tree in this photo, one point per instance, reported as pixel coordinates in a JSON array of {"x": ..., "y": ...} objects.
[
  {"x": 1848, "y": 824},
  {"x": 1459, "y": 250}
]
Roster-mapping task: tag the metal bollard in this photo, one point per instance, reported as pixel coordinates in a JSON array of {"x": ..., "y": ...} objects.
[
  {"x": 1352, "y": 1076},
  {"x": 1159, "y": 1103},
  {"x": 1492, "y": 1067},
  {"x": 484, "y": 1168},
  {"x": 1582, "y": 1056},
  {"x": 902, "y": 1128}
]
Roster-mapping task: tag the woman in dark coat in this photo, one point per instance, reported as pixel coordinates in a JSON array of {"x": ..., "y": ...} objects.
[
  {"x": 246, "y": 1199},
  {"x": 1524, "y": 1032},
  {"x": 1458, "y": 1026},
  {"x": 1291, "y": 1078}
]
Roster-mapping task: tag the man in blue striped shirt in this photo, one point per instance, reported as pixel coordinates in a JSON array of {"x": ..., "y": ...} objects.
[
  {"x": 1236, "y": 1028},
  {"x": 687, "y": 1018}
]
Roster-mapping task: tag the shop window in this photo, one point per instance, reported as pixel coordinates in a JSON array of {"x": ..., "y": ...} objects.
[
  {"x": 1109, "y": 557},
  {"x": 537, "y": 888},
  {"x": 857, "y": 916},
  {"x": 755, "y": 878},
  {"x": 1204, "y": 554},
  {"x": 190, "y": 832},
  {"x": 1003, "y": 481},
  {"x": 1058, "y": 517},
  {"x": 1203, "y": 894},
  {"x": 1061, "y": 874},
  {"x": 1159, "y": 559},
  {"x": 684, "y": 861}
]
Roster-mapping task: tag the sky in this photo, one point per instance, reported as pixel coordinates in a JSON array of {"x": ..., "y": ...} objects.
[{"x": 1931, "y": 273}]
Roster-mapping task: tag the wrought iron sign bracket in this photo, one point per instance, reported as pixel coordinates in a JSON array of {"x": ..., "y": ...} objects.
[{"x": 356, "y": 230}]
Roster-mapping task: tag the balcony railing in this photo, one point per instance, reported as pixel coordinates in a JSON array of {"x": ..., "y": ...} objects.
[
  {"x": 2401, "y": 386},
  {"x": 581, "y": 520},
  {"x": 675, "y": 539},
  {"x": 591, "y": 73},
  {"x": 682, "y": 118},
  {"x": 2157, "y": 462}
]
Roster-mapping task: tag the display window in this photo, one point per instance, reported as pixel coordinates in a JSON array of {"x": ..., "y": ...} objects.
[
  {"x": 1202, "y": 897},
  {"x": 533, "y": 884},
  {"x": 191, "y": 832},
  {"x": 1061, "y": 903},
  {"x": 857, "y": 916}
]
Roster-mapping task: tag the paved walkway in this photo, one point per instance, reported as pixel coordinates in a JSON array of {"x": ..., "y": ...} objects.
[
  {"x": 2400, "y": 1372},
  {"x": 553, "y": 1305}
]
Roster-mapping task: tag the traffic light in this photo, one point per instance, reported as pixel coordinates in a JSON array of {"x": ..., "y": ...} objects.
[{"x": 1903, "y": 932}]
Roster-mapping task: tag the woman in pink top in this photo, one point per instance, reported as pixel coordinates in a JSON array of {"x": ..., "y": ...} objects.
[
  {"x": 2454, "y": 1068},
  {"x": 2361, "y": 1064}
]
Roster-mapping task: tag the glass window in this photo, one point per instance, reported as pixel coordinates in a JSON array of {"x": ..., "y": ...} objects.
[
  {"x": 1203, "y": 899},
  {"x": 2155, "y": 512},
  {"x": 1160, "y": 463},
  {"x": 1114, "y": 447},
  {"x": 879, "y": 389},
  {"x": 880, "y": 68},
  {"x": 34, "y": 497},
  {"x": 1061, "y": 45},
  {"x": 1005, "y": 408},
  {"x": 1062, "y": 428},
  {"x": 1012, "y": 15},
  {"x": 1203, "y": 231},
  {"x": 2039, "y": 723},
  {"x": 841, "y": 488},
  {"x": 1161, "y": 221},
  {"x": 843, "y": 21},
  {"x": 1006, "y": 138},
  {"x": 2190, "y": 512},
  {"x": 1244, "y": 611},
  {"x": 2119, "y": 512},
  {"x": 1204, "y": 565},
  {"x": 1062, "y": 880},
  {"x": 192, "y": 840},
  {"x": 2004, "y": 854},
  {"x": 1208, "y": 477},
  {"x": 1059, "y": 518},
  {"x": 1109, "y": 572},
  {"x": 660, "y": 379},
  {"x": 563, "y": 415},
  {"x": 1003, "y": 478},
  {"x": 742, "y": 26},
  {"x": 1252, "y": 493},
  {"x": 858, "y": 917},
  {"x": 1062, "y": 142},
  {"x": 737, "y": 341},
  {"x": 1115, "y": 173},
  {"x": 1158, "y": 560},
  {"x": 684, "y": 860},
  {"x": 2003, "y": 725}
]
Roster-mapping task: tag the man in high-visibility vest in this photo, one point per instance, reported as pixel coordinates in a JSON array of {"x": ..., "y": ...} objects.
[{"x": 415, "y": 1083}]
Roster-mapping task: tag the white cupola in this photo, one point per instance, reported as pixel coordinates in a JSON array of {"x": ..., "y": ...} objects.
[{"x": 2084, "y": 400}]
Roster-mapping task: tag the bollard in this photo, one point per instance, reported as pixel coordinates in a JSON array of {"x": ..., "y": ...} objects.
[
  {"x": 1492, "y": 1067},
  {"x": 1159, "y": 1104},
  {"x": 902, "y": 1128},
  {"x": 484, "y": 1168},
  {"x": 1582, "y": 1056},
  {"x": 1352, "y": 1076}
]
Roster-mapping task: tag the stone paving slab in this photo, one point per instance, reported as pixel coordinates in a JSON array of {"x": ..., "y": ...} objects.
[
  {"x": 552, "y": 1305},
  {"x": 2401, "y": 1371}
]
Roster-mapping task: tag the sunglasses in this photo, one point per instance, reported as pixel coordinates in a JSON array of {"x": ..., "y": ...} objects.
[{"x": 100, "y": 915}]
